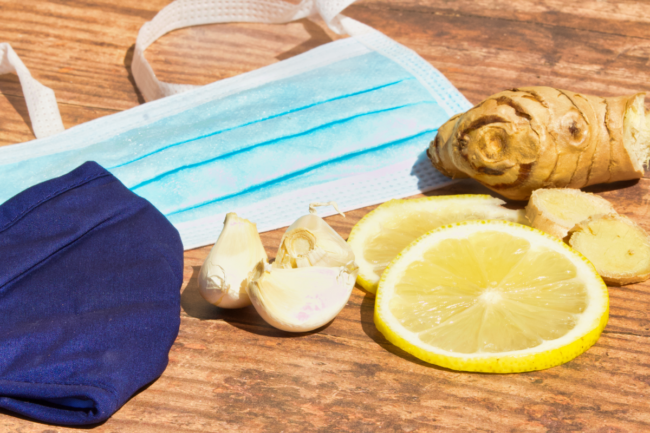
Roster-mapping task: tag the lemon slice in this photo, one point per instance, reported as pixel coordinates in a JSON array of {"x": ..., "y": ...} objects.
[
  {"x": 491, "y": 296},
  {"x": 383, "y": 233}
]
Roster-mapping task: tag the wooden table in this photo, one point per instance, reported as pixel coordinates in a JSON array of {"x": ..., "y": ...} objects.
[{"x": 230, "y": 371}]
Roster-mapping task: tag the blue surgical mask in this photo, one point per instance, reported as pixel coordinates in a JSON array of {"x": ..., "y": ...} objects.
[{"x": 348, "y": 121}]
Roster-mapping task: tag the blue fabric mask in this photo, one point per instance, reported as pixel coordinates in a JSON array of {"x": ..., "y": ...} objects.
[
  {"x": 349, "y": 110},
  {"x": 90, "y": 282}
]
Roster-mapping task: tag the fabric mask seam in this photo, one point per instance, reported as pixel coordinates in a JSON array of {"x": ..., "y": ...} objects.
[
  {"x": 58, "y": 250},
  {"x": 305, "y": 107},
  {"x": 103, "y": 387},
  {"x": 267, "y": 143},
  {"x": 50, "y": 196},
  {"x": 303, "y": 171}
]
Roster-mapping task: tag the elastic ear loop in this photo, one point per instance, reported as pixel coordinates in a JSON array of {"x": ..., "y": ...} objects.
[
  {"x": 186, "y": 13},
  {"x": 41, "y": 102}
]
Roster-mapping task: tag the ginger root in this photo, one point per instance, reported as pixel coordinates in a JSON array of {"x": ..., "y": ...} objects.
[
  {"x": 556, "y": 210},
  {"x": 523, "y": 139},
  {"x": 617, "y": 247}
]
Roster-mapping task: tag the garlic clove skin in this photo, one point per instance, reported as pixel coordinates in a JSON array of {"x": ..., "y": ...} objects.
[
  {"x": 232, "y": 263},
  {"x": 310, "y": 241},
  {"x": 301, "y": 299}
]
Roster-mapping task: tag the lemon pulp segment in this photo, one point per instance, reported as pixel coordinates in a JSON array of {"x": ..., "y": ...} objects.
[
  {"x": 488, "y": 293},
  {"x": 397, "y": 233}
]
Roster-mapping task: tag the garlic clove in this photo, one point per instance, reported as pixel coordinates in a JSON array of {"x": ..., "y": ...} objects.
[
  {"x": 301, "y": 299},
  {"x": 310, "y": 241},
  {"x": 231, "y": 264}
]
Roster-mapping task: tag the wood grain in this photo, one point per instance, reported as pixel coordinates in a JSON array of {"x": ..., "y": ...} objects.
[{"x": 228, "y": 370}]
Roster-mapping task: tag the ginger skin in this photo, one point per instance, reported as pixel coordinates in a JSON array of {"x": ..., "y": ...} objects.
[{"x": 523, "y": 139}]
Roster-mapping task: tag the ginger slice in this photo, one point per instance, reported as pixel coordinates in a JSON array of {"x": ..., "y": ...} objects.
[
  {"x": 556, "y": 210},
  {"x": 618, "y": 248}
]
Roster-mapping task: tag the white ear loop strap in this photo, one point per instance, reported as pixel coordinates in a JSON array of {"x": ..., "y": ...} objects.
[
  {"x": 41, "y": 102},
  {"x": 186, "y": 13}
]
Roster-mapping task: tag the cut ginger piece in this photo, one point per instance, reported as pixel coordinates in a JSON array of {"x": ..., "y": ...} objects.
[
  {"x": 556, "y": 210},
  {"x": 617, "y": 247}
]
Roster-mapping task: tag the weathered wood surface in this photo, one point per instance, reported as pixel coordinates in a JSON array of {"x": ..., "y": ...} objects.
[{"x": 228, "y": 370}]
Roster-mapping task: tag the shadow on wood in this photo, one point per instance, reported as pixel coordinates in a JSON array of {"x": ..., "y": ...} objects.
[
  {"x": 368, "y": 325},
  {"x": 128, "y": 61},
  {"x": 604, "y": 187},
  {"x": 245, "y": 319},
  {"x": 11, "y": 89},
  {"x": 317, "y": 37}
]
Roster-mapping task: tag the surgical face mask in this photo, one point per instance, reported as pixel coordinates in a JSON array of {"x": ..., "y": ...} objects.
[{"x": 348, "y": 121}]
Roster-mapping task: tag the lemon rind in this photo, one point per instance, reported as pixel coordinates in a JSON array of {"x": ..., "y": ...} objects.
[{"x": 507, "y": 362}]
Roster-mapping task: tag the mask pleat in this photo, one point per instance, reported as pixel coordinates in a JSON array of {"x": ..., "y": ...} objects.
[
  {"x": 285, "y": 113},
  {"x": 201, "y": 161},
  {"x": 291, "y": 178},
  {"x": 360, "y": 139}
]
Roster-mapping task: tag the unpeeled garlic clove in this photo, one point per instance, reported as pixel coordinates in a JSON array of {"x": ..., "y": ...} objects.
[
  {"x": 232, "y": 263},
  {"x": 301, "y": 299},
  {"x": 310, "y": 241}
]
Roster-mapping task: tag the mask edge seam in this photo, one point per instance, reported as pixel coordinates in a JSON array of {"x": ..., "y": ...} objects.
[
  {"x": 49, "y": 197},
  {"x": 76, "y": 239}
]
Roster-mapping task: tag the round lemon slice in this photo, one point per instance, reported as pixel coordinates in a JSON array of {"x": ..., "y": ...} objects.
[
  {"x": 491, "y": 296},
  {"x": 383, "y": 233}
]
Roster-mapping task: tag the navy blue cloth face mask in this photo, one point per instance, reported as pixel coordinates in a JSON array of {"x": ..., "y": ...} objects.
[{"x": 90, "y": 278}]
